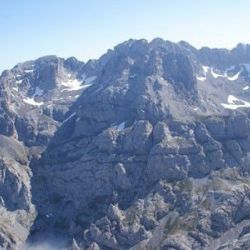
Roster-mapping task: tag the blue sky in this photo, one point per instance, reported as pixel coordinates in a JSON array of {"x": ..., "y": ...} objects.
[{"x": 87, "y": 28}]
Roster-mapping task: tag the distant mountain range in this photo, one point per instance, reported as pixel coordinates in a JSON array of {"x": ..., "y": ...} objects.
[{"x": 147, "y": 147}]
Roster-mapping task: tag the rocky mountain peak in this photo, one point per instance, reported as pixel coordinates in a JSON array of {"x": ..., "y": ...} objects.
[
  {"x": 40, "y": 92},
  {"x": 145, "y": 147},
  {"x": 46, "y": 72}
]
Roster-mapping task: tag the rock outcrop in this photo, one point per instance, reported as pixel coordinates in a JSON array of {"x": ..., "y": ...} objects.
[
  {"x": 159, "y": 163},
  {"x": 145, "y": 148},
  {"x": 17, "y": 213}
]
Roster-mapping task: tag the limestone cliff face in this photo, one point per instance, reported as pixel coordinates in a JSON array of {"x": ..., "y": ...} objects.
[
  {"x": 35, "y": 97},
  {"x": 154, "y": 150},
  {"x": 146, "y": 147}
]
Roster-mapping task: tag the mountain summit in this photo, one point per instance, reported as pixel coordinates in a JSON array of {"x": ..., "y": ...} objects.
[{"x": 146, "y": 147}]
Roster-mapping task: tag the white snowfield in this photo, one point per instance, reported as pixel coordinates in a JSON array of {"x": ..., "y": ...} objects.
[
  {"x": 72, "y": 84},
  {"x": 29, "y": 70},
  {"x": 207, "y": 69},
  {"x": 214, "y": 74},
  {"x": 19, "y": 81},
  {"x": 235, "y": 103},
  {"x": 235, "y": 77},
  {"x": 31, "y": 101},
  {"x": 201, "y": 78},
  {"x": 75, "y": 84}
]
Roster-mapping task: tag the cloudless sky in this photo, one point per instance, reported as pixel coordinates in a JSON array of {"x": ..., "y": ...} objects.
[{"x": 87, "y": 28}]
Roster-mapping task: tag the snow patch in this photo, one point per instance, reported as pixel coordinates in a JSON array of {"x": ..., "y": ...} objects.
[
  {"x": 16, "y": 89},
  {"x": 235, "y": 103},
  {"x": 120, "y": 127},
  {"x": 235, "y": 77},
  {"x": 19, "y": 81},
  {"x": 131, "y": 61},
  {"x": 85, "y": 86},
  {"x": 31, "y": 101},
  {"x": 29, "y": 70},
  {"x": 205, "y": 69},
  {"x": 72, "y": 85},
  {"x": 215, "y": 75},
  {"x": 201, "y": 78},
  {"x": 204, "y": 76},
  {"x": 75, "y": 84},
  {"x": 225, "y": 74},
  {"x": 246, "y": 88},
  {"x": 67, "y": 119}
]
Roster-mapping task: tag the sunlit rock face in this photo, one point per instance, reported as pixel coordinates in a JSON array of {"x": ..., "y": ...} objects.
[
  {"x": 146, "y": 147},
  {"x": 36, "y": 95},
  {"x": 154, "y": 151}
]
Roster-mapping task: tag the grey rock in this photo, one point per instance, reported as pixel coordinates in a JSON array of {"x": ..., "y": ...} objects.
[
  {"x": 17, "y": 212},
  {"x": 139, "y": 139},
  {"x": 243, "y": 210},
  {"x": 220, "y": 220},
  {"x": 145, "y": 157}
]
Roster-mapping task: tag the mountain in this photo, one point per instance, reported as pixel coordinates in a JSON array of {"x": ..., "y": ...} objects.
[
  {"x": 35, "y": 97},
  {"x": 145, "y": 148}
]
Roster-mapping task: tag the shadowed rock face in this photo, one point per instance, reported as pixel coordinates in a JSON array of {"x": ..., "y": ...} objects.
[
  {"x": 16, "y": 209},
  {"x": 154, "y": 153}
]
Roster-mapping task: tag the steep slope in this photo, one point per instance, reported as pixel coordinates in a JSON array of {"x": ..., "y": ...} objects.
[
  {"x": 154, "y": 155},
  {"x": 35, "y": 97},
  {"x": 16, "y": 210}
]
